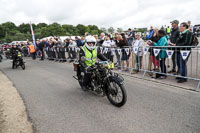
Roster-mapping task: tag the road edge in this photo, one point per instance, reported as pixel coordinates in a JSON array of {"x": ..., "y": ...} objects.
[{"x": 13, "y": 113}]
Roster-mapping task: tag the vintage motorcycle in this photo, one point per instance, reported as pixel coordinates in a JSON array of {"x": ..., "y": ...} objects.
[
  {"x": 104, "y": 82},
  {"x": 18, "y": 61}
]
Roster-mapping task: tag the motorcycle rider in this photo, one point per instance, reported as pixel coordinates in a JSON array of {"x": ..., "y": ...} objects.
[
  {"x": 87, "y": 57},
  {"x": 14, "y": 53}
]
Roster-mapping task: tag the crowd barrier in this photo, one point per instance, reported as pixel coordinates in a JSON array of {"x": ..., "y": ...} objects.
[{"x": 146, "y": 59}]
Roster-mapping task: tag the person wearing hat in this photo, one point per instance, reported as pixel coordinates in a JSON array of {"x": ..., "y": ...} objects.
[{"x": 173, "y": 38}]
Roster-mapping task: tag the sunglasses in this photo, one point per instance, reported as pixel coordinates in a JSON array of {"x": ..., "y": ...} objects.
[{"x": 91, "y": 43}]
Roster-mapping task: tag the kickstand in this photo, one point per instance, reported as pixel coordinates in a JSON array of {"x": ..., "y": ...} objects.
[
  {"x": 75, "y": 77},
  {"x": 198, "y": 86}
]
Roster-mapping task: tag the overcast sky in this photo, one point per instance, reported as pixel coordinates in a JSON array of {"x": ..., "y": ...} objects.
[{"x": 103, "y": 13}]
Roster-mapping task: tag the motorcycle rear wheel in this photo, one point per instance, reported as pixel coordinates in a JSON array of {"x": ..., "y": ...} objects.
[{"x": 23, "y": 66}]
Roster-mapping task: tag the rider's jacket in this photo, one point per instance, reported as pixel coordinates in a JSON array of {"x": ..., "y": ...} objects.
[
  {"x": 15, "y": 51},
  {"x": 90, "y": 56}
]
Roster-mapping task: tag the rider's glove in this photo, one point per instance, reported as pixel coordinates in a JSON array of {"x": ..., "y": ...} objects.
[{"x": 87, "y": 69}]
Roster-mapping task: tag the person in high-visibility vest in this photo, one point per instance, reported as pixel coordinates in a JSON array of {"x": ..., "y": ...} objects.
[
  {"x": 32, "y": 51},
  {"x": 168, "y": 30},
  {"x": 87, "y": 57}
]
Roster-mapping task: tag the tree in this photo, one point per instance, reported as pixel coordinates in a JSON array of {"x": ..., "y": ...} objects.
[
  {"x": 24, "y": 28},
  {"x": 68, "y": 29},
  {"x": 119, "y": 30},
  {"x": 103, "y": 30},
  {"x": 81, "y": 28},
  {"x": 56, "y": 29},
  {"x": 9, "y": 26},
  {"x": 40, "y": 25},
  {"x": 94, "y": 32},
  {"x": 111, "y": 30},
  {"x": 8, "y": 38},
  {"x": 10, "y": 32},
  {"x": 142, "y": 30},
  {"x": 2, "y": 32}
]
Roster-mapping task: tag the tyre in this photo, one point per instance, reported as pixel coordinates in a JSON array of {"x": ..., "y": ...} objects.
[
  {"x": 80, "y": 80},
  {"x": 23, "y": 66},
  {"x": 116, "y": 94},
  {"x": 14, "y": 65}
]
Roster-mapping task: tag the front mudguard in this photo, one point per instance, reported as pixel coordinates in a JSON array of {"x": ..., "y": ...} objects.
[{"x": 114, "y": 78}]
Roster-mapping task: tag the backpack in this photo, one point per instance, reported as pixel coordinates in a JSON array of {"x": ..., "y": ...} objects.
[{"x": 193, "y": 40}]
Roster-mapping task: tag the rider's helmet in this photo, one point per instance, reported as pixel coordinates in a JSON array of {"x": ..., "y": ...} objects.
[
  {"x": 14, "y": 45},
  {"x": 90, "y": 42}
]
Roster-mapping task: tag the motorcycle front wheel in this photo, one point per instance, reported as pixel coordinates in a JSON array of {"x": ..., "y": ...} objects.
[{"x": 116, "y": 94}]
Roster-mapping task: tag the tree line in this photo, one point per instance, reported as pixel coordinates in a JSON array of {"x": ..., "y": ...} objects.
[{"x": 10, "y": 32}]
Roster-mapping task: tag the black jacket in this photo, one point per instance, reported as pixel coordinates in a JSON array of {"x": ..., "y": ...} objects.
[
  {"x": 99, "y": 55},
  {"x": 174, "y": 35},
  {"x": 184, "y": 39},
  {"x": 14, "y": 51}
]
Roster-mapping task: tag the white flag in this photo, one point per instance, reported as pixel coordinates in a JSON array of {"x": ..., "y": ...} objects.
[
  {"x": 185, "y": 54},
  {"x": 119, "y": 51},
  {"x": 101, "y": 48},
  {"x": 135, "y": 50},
  {"x": 145, "y": 50},
  {"x": 170, "y": 53},
  {"x": 127, "y": 51},
  {"x": 156, "y": 51},
  {"x": 105, "y": 50},
  {"x": 77, "y": 49},
  {"x": 72, "y": 48},
  {"x": 112, "y": 51}
]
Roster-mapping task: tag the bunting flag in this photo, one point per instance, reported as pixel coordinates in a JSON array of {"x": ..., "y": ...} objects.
[
  {"x": 145, "y": 50},
  {"x": 170, "y": 53},
  {"x": 127, "y": 51},
  {"x": 112, "y": 51},
  {"x": 33, "y": 35},
  {"x": 156, "y": 51},
  {"x": 119, "y": 51},
  {"x": 135, "y": 50},
  {"x": 185, "y": 54},
  {"x": 105, "y": 50},
  {"x": 101, "y": 48},
  {"x": 76, "y": 49}
]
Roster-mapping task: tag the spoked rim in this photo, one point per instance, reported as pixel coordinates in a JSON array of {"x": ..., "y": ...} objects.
[{"x": 115, "y": 92}]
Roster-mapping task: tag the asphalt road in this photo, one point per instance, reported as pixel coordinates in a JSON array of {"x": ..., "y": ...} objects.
[{"x": 56, "y": 104}]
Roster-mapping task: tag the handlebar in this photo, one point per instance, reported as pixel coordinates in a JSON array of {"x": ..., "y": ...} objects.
[{"x": 101, "y": 62}]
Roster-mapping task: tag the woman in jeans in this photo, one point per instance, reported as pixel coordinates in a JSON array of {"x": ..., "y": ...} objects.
[
  {"x": 139, "y": 43},
  {"x": 162, "y": 55}
]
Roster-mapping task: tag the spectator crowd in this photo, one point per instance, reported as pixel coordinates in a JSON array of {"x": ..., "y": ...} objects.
[{"x": 125, "y": 50}]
